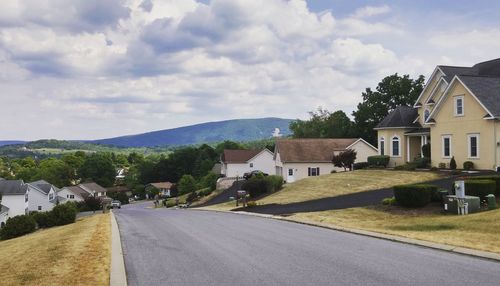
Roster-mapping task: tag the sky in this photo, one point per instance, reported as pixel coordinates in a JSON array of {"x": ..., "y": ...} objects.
[{"x": 89, "y": 69}]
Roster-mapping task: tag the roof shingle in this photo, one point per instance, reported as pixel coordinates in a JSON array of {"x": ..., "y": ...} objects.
[{"x": 311, "y": 150}]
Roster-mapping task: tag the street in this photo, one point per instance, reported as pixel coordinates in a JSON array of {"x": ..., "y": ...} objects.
[{"x": 190, "y": 247}]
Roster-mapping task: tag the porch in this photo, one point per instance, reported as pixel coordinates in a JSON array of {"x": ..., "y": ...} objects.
[{"x": 415, "y": 139}]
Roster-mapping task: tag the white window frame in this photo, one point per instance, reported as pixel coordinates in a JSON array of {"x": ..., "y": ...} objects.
[
  {"x": 251, "y": 165},
  {"x": 399, "y": 146},
  {"x": 449, "y": 137},
  {"x": 310, "y": 171},
  {"x": 427, "y": 113},
  {"x": 39, "y": 208},
  {"x": 381, "y": 149},
  {"x": 455, "y": 105},
  {"x": 469, "y": 136}
]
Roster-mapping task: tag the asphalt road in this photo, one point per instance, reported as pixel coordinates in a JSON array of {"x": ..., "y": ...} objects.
[{"x": 189, "y": 247}]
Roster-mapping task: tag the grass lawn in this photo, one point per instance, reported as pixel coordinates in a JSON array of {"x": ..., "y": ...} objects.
[
  {"x": 344, "y": 183},
  {"x": 478, "y": 231},
  {"x": 75, "y": 254}
]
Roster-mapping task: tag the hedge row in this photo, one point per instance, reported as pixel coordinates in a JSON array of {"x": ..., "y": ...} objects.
[
  {"x": 378, "y": 160},
  {"x": 23, "y": 224},
  {"x": 495, "y": 178},
  {"x": 480, "y": 188},
  {"x": 258, "y": 185},
  {"x": 414, "y": 196}
]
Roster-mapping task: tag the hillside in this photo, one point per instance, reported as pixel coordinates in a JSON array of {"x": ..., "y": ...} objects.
[
  {"x": 10, "y": 142},
  {"x": 235, "y": 130}
]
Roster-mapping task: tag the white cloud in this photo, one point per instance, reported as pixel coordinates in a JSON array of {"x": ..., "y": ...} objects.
[{"x": 369, "y": 11}]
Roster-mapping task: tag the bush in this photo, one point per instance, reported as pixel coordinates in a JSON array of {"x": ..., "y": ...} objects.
[
  {"x": 251, "y": 204},
  {"x": 187, "y": 184},
  {"x": 120, "y": 196},
  {"x": 422, "y": 162},
  {"x": 434, "y": 169},
  {"x": 17, "y": 226},
  {"x": 43, "y": 219},
  {"x": 495, "y": 178},
  {"x": 389, "y": 201},
  {"x": 64, "y": 214},
  {"x": 209, "y": 181},
  {"x": 480, "y": 188},
  {"x": 275, "y": 181},
  {"x": 333, "y": 171},
  {"x": 453, "y": 163},
  {"x": 442, "y": 165},
  {"x": 414, "y": 196},
  {"x": 468, "y": 165},
  {"x": 93, "y": 203},
  {"x": 379, "y": 160},
  {"x": 257, "y": 186},
  {"x": 360, "y": 165},
  {"x": 438, "y": 194},
  {"x": 192, "y": 197},
  {"x": 406, "y": 167},
  {"x": 426, "y": 150}
]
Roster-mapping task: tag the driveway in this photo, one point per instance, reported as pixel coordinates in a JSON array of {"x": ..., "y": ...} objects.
[{"x": 189, "y": 247}]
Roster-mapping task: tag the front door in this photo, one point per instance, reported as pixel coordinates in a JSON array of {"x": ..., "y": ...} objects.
[{"x": 290, "y": 177}]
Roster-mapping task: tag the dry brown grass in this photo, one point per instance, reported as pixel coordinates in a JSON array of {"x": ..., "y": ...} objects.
[
  {"x": 478, "y": 231},
  {"x": 75, "y": 254},
  {"x": 344, "y": 183}
]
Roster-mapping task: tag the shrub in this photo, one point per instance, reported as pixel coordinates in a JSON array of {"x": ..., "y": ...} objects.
[
  {"x": 468, "y": 165},
  {"x": 480, "y": 188},
  {"x": 275, "y": 181},
  {"x": 438, "y": 194},
  {"x": 422, "y": 162},
  {"x": 209, "y": 181},
  {"x": 333, "y": 171},
  {"x": 93, "y": 203},
  {"x": 442, "y": 165},
  {"x": 434, "y": 169},
  {"x": 344, "y": 159},
  {"x": 414, "y": 196},
  {"x": 120, "y": 196},
  {"x": 406, "y": 167},
  {"x": 251, "y": 204},
  {"x": 453, "y": 163},
  {"x": 495, "y": 178},
  {"x": 191, "y": 197},
  {"x": 64, "y": 214},
  {"x": 379, "y": 160},
  {"x": 43, "y": 219},
  {"x": 17, "y": 226},
  {"x": 257, "y": 186},
  {"x": 360, "y": 165},
  {"x": 389, "y": 201},
  {"x": 187, "y": 184}
]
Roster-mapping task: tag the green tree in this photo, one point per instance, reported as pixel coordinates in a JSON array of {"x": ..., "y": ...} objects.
[
  {"x": 344, "y": 159},
  {"x": 75, "y": 162},
  {"x": 54, "y": 171},
  {"x": 228, "y": 145},
  {"x": 323, "y": 124},
  {"x": 391, "y": 92},
  {"x": 187, "y": 184},
  {"x": 99, "y": 168}
]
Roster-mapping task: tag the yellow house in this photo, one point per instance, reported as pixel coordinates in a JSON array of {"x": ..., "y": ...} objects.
[{"x": 457, "y": 113}]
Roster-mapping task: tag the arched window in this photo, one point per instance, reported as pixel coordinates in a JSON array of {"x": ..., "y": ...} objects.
[
  {"x": 381, "y": 145},
  {"x": 396, "y": 146},
  {"x": 426, "y": 114}
]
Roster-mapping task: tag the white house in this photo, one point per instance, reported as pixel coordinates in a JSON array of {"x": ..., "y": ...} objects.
[
  {"x": 42, "y": 196},
  {"x": 163, "y": 187},
  {"x": 73, "y": 194},
  {"x": 235, "y": 163},
  {"x": 4, "y": 215},
  {"x": 14, "y": 197},
  {"x": 94, "y": 189},
  {"x": 297, "y": 159}
]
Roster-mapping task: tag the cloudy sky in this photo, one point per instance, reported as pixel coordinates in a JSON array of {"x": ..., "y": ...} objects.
[{"x": 87, "y": 69}]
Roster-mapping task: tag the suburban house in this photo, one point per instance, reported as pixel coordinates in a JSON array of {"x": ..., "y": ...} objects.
[
  {"x": 4, "y": 215},
  {"x": 42, "y": 196},
  {"x": 94, "y": 189},
  {"x": 235, "y": 163},
  {"x": 14, "y": 196},
  {"x": 163, "y": 187},
  {"x": 296, "y": 159},
  {"x": 457, "y": 113},
  {"x": 73, "y": 194}
]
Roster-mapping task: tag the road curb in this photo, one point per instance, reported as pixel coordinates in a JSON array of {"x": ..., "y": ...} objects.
[
  {"x": 117, "y": 274},
  {"x": 400, "y": 239}
]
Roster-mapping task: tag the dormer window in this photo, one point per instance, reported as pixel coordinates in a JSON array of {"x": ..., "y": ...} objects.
[
  {"x": 459, "y": 105},
  {"x": 427, "y": 112}
]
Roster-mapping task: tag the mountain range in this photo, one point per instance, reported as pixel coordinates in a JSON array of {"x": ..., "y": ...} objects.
[{"x": 234, "y": 130}]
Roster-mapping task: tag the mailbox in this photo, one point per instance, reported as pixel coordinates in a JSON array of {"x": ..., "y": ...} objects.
[{"x": 460, "y": 189}]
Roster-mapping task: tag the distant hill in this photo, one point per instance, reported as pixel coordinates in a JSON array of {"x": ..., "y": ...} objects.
[
  {"x": 235, "y": 130},
  {"x": 10, "y": 142}
]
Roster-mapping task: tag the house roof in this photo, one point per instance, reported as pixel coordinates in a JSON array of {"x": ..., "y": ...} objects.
[
  {"x": 402, "y": 116},
  {"x": 78, "y": 191},
  {"x": 238, "y": 156},
  {"x": 92, "y": 187},
  {"x": 161, "y": 185},
  {"x": 13, "y": 187},
  {"x": 486, "y": 89},
  {"x": 42, "y": 185},
  {"x": 311, "y": 150},
  {"x": 119, "y": 189},
  {"x": 3, "y": 209}
]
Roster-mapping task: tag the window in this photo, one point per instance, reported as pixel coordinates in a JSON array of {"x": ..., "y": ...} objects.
[
  {"x": 473, "y": 140},
  {"x": 290, "y": 172},
  {"x": 426, "y": 114},
  {"x": 446, "y": 146},
  {"x": 51, "y": 196},
  {"x": 251, "y": 165},
  {"x": 382, "y": 146},
  {"x": 459, "y": 105},
  {"x": 312, "y": 172},
  {"x": 71, "y": 196},
  {"x": 396, "y": 146},
  {"x": 26, "y": 197},
  {"x": 39, "y": 208}
]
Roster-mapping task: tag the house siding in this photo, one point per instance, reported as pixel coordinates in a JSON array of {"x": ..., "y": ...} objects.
[
  {"x": 388, "y": 134},
  {"x": 301, "y": 170},
  {"x": 459, "y": 127},
  {"x": 264, "y": 162},
  {"x": 36, "y": 198},
  {"x": 65, "y": 193},
  {"x": 15, "y": 203}
]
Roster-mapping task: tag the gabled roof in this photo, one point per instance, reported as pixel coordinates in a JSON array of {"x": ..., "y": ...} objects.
[
  {"x": 90, "y": 187},
  {"x": 78, "y": 191},
  {"x": 487, "y": 91},
  {"x": 239, "y": 156},
  {"x": 311, "y": 150},
  {"x": 3, "y": 209},
  {"x": 401, "y": 117},
  {"x": 42, "y": 185},
  {"x": 161, "y": 185},
  {"x": 13, "y": 187}
]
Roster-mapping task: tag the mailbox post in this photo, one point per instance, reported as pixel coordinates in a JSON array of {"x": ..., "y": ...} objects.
[
  {"x": 462, "y": 205},
  {"x": 241, "y": 194}
]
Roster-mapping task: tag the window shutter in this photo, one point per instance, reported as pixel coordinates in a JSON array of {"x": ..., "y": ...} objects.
[
  {"x": 317, "y": 171},
  {"x": 309, "y": 172}
]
